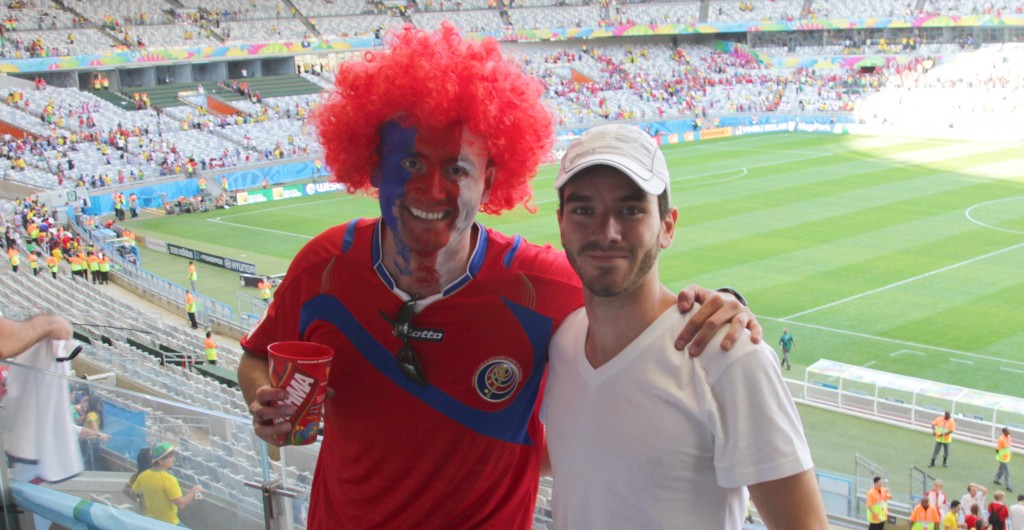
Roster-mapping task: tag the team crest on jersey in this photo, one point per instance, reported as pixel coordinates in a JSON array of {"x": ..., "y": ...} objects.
[{"x": 497, "y": 379}]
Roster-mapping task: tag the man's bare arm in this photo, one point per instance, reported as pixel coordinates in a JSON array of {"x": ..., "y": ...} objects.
[
  {"x": 790, "y": 503},
  {"x": 16, "y": 337}
]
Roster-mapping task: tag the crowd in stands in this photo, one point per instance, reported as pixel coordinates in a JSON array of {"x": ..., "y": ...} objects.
[
  {"x": 79, "y": 140},
  {"x": 31, "y": 29},
  {"x": 586, "y": 85}
]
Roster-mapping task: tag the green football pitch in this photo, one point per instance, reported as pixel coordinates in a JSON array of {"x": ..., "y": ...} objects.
[{"x": 903, "y": 255}]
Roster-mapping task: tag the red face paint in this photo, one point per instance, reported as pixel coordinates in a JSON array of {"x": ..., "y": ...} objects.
[{"x": 432, "y": 182}]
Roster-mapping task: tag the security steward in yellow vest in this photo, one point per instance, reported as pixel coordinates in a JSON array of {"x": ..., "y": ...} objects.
[
  {"x": 33, "y": 263},
  {"x": 94, "y": 267},
  {"x": 211, "y": 349},
  {"x": 878, "y": 504},
  {"x": 264, "y": 287},
  {"x": 14, "y": 256},
  {"x": 190, "y": 309},
  {"x": 53, "y": 264},
  {"x": 104, "y": 269}
]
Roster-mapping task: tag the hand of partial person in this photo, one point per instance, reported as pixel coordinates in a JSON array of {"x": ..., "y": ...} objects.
[
  {"x": 103, "y": 436},
  {"x": 717, "y": 310},
  {"x": 59, "y": 328},
  {"x": 264, "y": 412}
]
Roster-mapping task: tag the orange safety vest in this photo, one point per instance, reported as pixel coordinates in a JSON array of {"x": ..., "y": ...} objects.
[
  {"x": 1003, "y": 448},
  {"x": 943, "y": 429},
  {"x": 878, "y": 506},
  {"x": 211, "y": 349}
]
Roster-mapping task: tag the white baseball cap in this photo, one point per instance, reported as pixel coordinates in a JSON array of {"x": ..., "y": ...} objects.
[{"x": 623, "y": 147}]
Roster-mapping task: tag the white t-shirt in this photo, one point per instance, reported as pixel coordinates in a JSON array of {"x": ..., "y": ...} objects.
[
  {"x": 966, "y": 501},
  {"x": 656, "y": 439},
  {"x": 1016, "y": 516}
]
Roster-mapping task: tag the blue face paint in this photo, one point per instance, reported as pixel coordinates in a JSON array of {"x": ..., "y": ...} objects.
[
  {"x": 431, "y": 183},
  {"x": 396, "y": 144}
]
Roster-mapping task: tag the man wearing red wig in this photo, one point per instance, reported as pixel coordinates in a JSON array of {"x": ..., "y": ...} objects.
[{"x": 440, "y": 326}]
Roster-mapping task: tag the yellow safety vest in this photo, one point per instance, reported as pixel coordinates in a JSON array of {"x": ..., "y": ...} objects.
[
  {"x": 1003, "y": 454},
  {"x": 211, "y": 349}
]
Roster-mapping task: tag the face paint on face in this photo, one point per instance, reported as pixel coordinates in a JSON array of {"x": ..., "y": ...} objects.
[{"x": 431, "y": 182}]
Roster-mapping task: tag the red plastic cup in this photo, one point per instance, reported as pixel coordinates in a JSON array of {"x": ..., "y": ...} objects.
[{"x": 301, "y": 368}]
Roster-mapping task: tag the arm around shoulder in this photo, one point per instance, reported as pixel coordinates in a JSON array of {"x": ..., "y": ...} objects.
[{"x": 790, "y": 503}]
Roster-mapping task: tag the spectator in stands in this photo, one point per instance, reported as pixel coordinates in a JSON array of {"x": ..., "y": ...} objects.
[
  {"x": 937, "y": 497},
  {"x": 160, "y": 491},
  {"x": 975, "y": 496},
  {"x": 143, "y": 461},
  {"x": 998, "y": 512},
  {"x": 93, "y": 420},
  {"x": 16, "y": 337},
  {"x": 973, "y": 516},
  {"x": 435, "y": 162},
  {"x": 942, "y": 429},
  {"x": 1017, "y": 513},
  {"x": 699, "y": 452},
  {"x": 949, "y": 521}
]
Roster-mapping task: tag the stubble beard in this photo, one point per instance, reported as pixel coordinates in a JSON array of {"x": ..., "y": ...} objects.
[{"x": 609, "y": 289}]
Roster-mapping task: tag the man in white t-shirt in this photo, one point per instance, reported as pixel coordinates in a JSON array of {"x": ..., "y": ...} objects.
[
  {"x": 975, "y": 495},
  {"x": 1017, "y": 514},
  {"x": 640, "y": 437}
]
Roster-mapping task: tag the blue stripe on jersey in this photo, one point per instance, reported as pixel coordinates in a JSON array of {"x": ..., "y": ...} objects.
[
  {"x": 375, "y": 256},
  {"x": 350, "y": 235},
  {"x": 508, "y": 425},
  {"x": 475, "y": 262},
  {"x": 510, "y": 254}
]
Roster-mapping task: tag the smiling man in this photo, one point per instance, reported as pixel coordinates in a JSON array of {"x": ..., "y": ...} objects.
[
  {"x": 440, "y": 326},
  {"x": 640, "y": 437}
]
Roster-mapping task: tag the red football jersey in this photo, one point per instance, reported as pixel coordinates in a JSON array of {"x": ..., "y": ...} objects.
[{"x": 463, "y": 450}]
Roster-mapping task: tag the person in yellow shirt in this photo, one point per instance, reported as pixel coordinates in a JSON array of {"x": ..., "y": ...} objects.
[
  {"x": 950, "y": 522},
  {"x": 161, "y": 493},
  {"x": 924, "y": 517},
  {"x": 878, "y": 504},
  {"x": 1004, "y": 450},
  {"x": 942, "y": 428}
]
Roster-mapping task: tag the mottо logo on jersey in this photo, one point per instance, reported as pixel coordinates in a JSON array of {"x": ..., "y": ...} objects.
[{"x": 497, "y": 379}]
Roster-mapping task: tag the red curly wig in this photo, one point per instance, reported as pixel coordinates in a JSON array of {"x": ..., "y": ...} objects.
[{"x": 432, "y": 80}]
